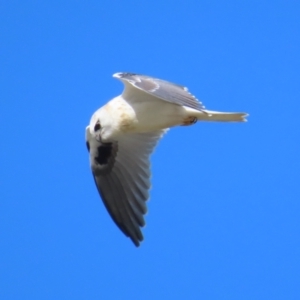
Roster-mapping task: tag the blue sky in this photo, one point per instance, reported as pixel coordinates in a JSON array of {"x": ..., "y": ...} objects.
[{"x": 223, "y": 219}]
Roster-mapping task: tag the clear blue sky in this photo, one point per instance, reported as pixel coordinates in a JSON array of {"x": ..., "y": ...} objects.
[{"x": 223, "y": 219}]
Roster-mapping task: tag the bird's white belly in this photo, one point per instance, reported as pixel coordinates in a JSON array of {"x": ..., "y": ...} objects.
[
  {"x": 149, "y": 114},
  {"x": 156, "y": 114}
]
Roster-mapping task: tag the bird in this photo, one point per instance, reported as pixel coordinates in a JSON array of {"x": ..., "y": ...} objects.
[{"x": 122, "y": 135}]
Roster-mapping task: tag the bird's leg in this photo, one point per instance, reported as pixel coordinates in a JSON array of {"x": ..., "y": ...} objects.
[{"x": 189, "y": 121}]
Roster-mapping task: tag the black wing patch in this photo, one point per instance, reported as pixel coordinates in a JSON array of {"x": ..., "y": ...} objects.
[
  {"x": 102, "y": 156},
  {"x": 121, "y": 171},
  {"x": 122, "y": 196}
]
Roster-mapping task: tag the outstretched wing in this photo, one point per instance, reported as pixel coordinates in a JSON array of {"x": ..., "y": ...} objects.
[
  {"x": 121, "y": 172},
  {"x": 161, "y": 89}
]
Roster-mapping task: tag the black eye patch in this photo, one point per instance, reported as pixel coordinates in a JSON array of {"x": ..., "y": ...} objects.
[{"x": 97, "y": 127}]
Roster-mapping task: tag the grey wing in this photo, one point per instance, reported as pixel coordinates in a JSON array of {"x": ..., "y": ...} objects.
[
  {"x": 161, "y": 89},
  {"x": 121, "y": 172}
]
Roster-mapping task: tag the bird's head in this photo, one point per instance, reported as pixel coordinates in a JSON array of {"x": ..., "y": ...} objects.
[
  {"x": 96, "y": 128},
  {"x": 102, "y": 126}
]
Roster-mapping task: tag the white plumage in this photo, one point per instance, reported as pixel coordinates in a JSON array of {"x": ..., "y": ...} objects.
[{"x": 122, "y": 135}]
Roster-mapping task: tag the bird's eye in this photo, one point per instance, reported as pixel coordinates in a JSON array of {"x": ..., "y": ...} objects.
[{"x": 97, "y": 127}]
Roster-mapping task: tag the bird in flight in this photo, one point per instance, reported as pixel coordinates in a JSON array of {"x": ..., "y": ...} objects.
[{"x": 122, "y": 135}]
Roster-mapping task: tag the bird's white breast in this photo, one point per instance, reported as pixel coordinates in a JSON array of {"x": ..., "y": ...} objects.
[
  {"x": 153, "y": 113},
  {"x": 142, "y": 114}
]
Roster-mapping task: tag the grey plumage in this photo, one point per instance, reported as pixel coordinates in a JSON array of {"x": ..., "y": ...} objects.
[
  {"x": 162, "y": 89},
  {"x": 121, "y": 171}
]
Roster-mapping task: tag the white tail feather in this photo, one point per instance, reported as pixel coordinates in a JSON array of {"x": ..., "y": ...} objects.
[{"x": 216, "y": 116}]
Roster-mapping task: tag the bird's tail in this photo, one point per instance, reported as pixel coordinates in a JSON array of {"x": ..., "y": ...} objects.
[{"x": 216, "y": 116}]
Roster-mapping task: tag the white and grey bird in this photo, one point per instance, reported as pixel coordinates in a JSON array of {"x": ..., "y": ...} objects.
[{"x": 122, "y": 135}]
